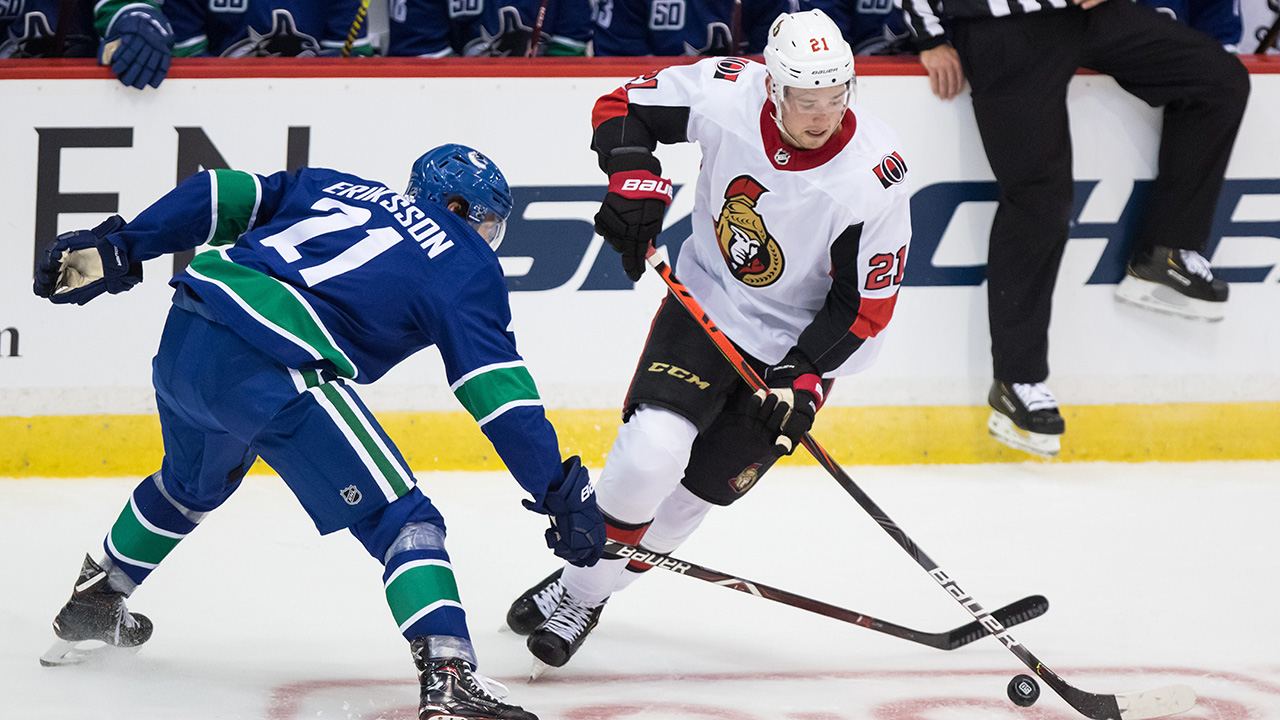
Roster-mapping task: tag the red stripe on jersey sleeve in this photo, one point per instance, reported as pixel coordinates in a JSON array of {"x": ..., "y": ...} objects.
[
  {"x": 609, "y": 106},
  {"x": 873, "y": 315}
]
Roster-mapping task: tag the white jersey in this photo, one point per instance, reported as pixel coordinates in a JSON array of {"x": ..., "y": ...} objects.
[{"x": 775, "y": 227}]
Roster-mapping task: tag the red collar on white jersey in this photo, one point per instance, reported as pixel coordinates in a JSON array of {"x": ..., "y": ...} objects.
[{"x": 785, "y": 157}]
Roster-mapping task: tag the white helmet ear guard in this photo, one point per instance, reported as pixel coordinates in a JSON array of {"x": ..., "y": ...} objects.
[{"x": 806, "y": 50}]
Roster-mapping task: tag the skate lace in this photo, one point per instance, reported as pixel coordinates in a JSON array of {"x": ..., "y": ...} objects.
[
  {"x": 549, "y": 598},
  {"x": 1035, "y": 396},
  {"x": 124, "y": 620},
  {"x": 1196, "y": 264},
  {"x": 570, "y": 619}
]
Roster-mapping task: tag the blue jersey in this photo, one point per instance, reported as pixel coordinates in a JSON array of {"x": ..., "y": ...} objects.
[
  {"x": 437, "y": 28},
  {"x": 683, "y": 27},
  {"x": 210, "y": 27},
  {"x": 28, "y": 27},
  {"x": 327, "y": 271},
  {"x": 869, "y": 26},
  {"x": 1219, "y": 19}
]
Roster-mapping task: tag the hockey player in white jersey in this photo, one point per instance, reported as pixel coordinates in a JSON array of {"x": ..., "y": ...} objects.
[{"x": 801, "y": 226}]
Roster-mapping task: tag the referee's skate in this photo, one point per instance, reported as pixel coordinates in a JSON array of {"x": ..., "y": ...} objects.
[{"x": 1025, "y": 417}]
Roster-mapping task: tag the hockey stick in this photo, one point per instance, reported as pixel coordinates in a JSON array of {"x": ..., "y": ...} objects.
[
  {"x": 1125, "y": 706},
  {"x": 1018, "y": 611},
  {"x": 361, "y": 12},
  {"x": 537, "y": 29},
  {"x": 735, "y": 29}
]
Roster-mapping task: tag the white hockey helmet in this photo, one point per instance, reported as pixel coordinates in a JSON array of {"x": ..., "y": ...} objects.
[{"x": 807, "y": 50}]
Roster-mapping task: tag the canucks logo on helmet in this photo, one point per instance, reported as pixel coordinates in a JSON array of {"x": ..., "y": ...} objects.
[{"x": 456, "y": 173}]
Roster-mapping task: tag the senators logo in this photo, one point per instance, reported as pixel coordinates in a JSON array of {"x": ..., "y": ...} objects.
[
  {"x": 751, "y": 253},
  {"x": 891, "y": 170},
  {"x": 745, "y": 479}
]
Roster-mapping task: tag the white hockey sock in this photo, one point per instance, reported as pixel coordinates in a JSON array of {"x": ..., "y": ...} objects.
[
  {"x": 645, "y": 464},
  {"x": 677, "y": 517}
]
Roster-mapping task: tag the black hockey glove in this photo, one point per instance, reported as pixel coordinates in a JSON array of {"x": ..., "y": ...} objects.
[
  {"x": 138, "y": 46},
  {"x": 631, "y": 215},
  {"x": 79, "y": 266},
  {"x": 577, "y": 525},
  {"x": 791, "y": 402}
]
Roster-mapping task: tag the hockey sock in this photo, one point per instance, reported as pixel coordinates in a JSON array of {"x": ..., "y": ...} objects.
[
  {"x": 148, "y": 528},
  {"x": 678, "y": 516},
  {"x": 593, "y": 585},
  {"x": 421, "y": 590}
]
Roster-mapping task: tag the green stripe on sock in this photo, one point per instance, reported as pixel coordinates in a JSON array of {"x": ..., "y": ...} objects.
[
  {"x": 134, "y": 541},
  {"x": 237, "y": 199},
  {"x": 490, "y": 390},
  {"x": 386, "y": 465},
  {"x": 419, "y": 587}
]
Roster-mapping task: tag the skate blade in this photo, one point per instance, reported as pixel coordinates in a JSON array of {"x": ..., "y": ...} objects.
[
  {"x": 538, "y": 668},
  {"x": 1162, "y": 299},
  {"x": 1039, "y": 444},
  {"x": 68, "y": 652}
]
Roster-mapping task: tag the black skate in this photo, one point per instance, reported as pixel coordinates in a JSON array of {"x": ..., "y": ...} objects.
[
  {"x": 1177, "y": 282},
  {"x": 556, "y": 640},
  {"x": 535, "y": 606},
  {"x": 95, "y": 613},
  {"x": 452, "y": 691},
  {"x": 1025, "y": 417}
]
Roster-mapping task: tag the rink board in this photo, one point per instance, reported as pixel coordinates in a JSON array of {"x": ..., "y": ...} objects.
[{"x": 80, "y": 146}]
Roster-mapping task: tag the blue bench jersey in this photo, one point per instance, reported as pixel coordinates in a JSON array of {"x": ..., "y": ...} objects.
[
  {"x": 682, "y": 27},
  {"x": 437, "y": 28},
  {"x": 325, "y": 270},
  {"x": 1219, "y": 19},
  {"x": 209, "y": 27}
]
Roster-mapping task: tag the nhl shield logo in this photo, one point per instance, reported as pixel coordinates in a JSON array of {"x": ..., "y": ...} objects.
[
  {"x": 782, "y": 157},
  {"x": 351, "y": 494}
]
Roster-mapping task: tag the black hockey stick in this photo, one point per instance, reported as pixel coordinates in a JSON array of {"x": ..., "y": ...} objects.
[
  {"x": 1018, "y": 611},
  {"x": 1125, "y": 706}
]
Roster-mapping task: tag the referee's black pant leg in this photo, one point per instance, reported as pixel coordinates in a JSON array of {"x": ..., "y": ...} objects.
[
  {"x": 1019, "y": 68},
  {"x": 1029, "y": 148},
  {"x": 1203, "y": 90}
]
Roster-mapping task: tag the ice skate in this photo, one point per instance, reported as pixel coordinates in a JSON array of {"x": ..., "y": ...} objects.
[
  {"x": 535, "y": 606},
  {"x": 451, "y": 690},
  {"x": 1176, "y": 282},
  {"x": 96, "y": 616},
  {"x": 556, "y": 640},
  {"x": 1025, "y": 417}
]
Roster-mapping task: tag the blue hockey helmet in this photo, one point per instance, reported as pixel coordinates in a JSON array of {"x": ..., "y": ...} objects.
[{"x": 453, "y": 171}]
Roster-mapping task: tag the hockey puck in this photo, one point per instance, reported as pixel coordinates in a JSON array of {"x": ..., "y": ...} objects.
[{"x": 1024, "y": 690}]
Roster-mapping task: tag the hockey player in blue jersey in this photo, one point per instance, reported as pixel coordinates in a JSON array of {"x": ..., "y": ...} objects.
[
  {"x": 310, "y": 282},
  {"x": 684, "y": 27},
  {"x": 265, "y": 28},
  {"x": 492, "y": 28}
]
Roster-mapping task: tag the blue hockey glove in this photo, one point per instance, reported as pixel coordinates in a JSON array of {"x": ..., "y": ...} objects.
[
  {"x": 79, "y": 266},
  {"x": 788, "y": 407},
  {"x": 138, "y": 46},
  {"x": 577, "y": 525}
]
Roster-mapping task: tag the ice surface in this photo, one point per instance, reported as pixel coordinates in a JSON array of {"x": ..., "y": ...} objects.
[{"x": 1156, "y": 574}]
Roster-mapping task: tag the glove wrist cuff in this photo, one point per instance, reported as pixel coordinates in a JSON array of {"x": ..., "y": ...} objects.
[{"x": 640, "y": 185}]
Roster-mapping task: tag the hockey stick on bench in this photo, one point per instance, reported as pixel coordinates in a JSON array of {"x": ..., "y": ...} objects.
[
  {"x": 1018, "y": 611},
  {"x": 1141, "y": 705}
]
